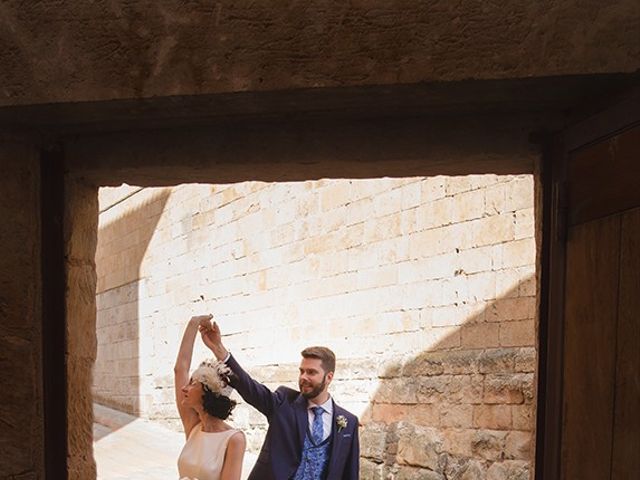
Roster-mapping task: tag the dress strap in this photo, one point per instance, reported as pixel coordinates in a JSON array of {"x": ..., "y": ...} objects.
[{"x": 193, "y": 429}]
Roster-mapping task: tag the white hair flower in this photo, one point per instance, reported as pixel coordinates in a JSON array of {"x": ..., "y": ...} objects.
[{"x": 214, "y": 374}]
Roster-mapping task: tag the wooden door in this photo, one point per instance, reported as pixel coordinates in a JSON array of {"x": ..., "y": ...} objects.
[{"x": 601, "y": 339}]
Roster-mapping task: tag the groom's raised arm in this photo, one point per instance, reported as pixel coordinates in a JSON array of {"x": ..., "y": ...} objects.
[{"x": 252, "y": 391}]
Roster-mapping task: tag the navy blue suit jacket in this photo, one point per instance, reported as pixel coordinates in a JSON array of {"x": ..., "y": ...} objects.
[{"x": 286, "y": 412}]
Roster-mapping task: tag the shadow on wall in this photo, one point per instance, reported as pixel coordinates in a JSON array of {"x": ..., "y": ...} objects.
[
  {"x": 464, "y": 408},
  {"x": 122, "y": 243}
]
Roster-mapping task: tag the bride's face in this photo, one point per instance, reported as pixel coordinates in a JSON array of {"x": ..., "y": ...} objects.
[{"x": 192, "y": 394}]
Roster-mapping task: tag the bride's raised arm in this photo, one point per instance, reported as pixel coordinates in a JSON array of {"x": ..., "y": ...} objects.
[{"x": 188, "y": 415}]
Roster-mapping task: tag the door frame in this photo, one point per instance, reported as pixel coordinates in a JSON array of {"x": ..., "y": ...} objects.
[{"x": 619, "y": 115}]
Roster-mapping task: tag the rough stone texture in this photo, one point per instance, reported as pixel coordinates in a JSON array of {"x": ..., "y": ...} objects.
[
  {"x": 81, "y": 216},
  {"x": 101, "y": 51},
  {"x": 420, "y": 447},
  {"x": 509, "y": 470},
  {"x": 21, "y": 409}
]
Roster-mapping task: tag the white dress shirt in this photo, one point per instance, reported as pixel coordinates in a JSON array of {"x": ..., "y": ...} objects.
[{"x": 327, "y": 416}]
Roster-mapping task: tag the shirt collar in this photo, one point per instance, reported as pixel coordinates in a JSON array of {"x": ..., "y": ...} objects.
[{"x": 326, "y": 406}]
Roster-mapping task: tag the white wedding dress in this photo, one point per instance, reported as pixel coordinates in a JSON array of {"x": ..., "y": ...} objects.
[{"x": 203, "y": 455}]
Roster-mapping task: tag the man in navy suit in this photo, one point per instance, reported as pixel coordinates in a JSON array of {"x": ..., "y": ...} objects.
[{"x": 309, "y": 437}]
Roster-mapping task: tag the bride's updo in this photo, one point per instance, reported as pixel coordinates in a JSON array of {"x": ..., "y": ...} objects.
[{"x": 214, "y": 377}]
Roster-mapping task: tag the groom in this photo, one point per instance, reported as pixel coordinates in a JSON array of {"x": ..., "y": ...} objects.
[{"x": 309, "y": 436}]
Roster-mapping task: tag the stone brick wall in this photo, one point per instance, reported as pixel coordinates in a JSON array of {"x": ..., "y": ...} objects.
[{"x": 424, "y": 287}]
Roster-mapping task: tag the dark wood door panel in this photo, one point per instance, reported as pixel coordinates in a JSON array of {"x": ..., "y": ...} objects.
[
  {"x": 604, "y": 179},
  {"x": 626, "y": 429},
  {"x": 591, "y": 299}
]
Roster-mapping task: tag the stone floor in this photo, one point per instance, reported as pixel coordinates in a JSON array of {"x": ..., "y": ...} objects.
[{"x": 131, "y": 448}]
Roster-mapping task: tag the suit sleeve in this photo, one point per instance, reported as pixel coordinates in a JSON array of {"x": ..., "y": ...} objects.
[
  {"x": 352, "y": 468},
  {"x": 253, "y": 392}
]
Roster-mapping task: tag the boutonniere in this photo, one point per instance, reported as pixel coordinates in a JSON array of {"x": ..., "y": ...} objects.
[{"x": 341, "y": 421}]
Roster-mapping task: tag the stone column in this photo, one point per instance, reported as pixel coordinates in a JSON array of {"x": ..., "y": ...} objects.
[
  {"x": 81, "y": 227},
  {"x": 21, "y": 408}
]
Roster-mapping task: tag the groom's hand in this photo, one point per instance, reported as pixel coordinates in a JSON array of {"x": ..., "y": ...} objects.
[{"x": 212, "y": 338}]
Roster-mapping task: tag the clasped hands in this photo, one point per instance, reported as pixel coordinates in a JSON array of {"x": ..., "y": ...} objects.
[{"x": 210, "y": 334}]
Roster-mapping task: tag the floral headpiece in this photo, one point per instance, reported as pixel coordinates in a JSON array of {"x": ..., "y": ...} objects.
[{"x": 214, "y": 374}]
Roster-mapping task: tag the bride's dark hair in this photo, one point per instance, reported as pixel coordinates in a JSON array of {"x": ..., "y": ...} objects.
[{"x": 217, "y": 405}]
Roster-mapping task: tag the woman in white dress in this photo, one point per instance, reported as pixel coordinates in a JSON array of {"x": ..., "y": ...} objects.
[{"x": 214, "y": 450}]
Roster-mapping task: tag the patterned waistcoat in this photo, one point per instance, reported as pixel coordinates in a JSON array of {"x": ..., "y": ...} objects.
[{"x": 315, "y": 459}]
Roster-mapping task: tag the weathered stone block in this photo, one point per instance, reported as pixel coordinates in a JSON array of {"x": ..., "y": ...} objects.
[
  {"x": 481, "y": 335},
  {"x": 482, "y": 286},
  {"x": 518, "y": 445},
  {"x": 411, "y": 195},
  {"x": 458, "y": 416},
  {"x": 420, "y": 446},
  {"x": 506, "y": 388},
  {"x": 492, "y": 416},
  {"x": 460, "y": 362},
  {"x": 411, "y": 473},
  {"x": 371, "y": 470},
  {"x": 495, "y": 200},
  {"x": 525, "y": 223},
  {"x": 433, "y": 188},
  {"x": 519, "y": 253},
  {"x": 427, "y": 363},
  {"x": 497, "y": 360},
  {"x": 493, "y": 230},
  {"x": 507, "y": 309},
  {"x": 450, "y": 388},
  {"x": 516, "y": 334},
  {"x": 458, "y": 442},
  {"x": 524, "y": 417},
  {"x": 390, "y": 412},
  {"x": 468, "y": 206},
  {"x": 456, "y": 466},
  {"x": 373, "y": 441},
  {"x": 489, "y": 444},
  {"x": 396, "y": 390},
  {"x": 509, "y": 470},
  {"x": 526, "y": 360},
  {"x": 520, "y": 192}
]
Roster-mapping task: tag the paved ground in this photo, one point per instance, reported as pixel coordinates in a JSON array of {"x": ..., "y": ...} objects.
[{"x": 130, "y": 448}]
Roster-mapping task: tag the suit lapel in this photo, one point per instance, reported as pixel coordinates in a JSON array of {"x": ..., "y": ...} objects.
[
  {"x": 335, "y": 439},
  {"x": 302, "y": 418}
]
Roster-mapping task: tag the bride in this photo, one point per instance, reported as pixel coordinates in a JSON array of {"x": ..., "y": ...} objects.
[{"x": 214, "y": 450}]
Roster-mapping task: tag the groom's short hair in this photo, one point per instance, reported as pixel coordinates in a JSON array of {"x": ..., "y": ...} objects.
[{"x": 326, "y": 357}]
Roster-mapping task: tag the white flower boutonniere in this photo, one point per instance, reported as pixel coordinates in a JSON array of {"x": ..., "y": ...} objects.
[{"x": 341, "y": 421}]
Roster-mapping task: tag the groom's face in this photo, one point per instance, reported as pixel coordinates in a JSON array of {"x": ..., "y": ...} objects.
[{"x": 313, "y": 380}]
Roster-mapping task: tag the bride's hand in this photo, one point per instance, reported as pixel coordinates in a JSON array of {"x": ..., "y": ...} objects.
[{"x": 201, "y": 320}]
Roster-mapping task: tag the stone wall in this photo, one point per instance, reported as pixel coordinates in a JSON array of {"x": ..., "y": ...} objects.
[
  {"x": 21, "y": 408},
  {"x": 425, "y": 287},
  {"x": 123, "y": 50}
]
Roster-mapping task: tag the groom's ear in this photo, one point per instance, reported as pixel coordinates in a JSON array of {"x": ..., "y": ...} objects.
[{"x": 329, "y": 376}]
